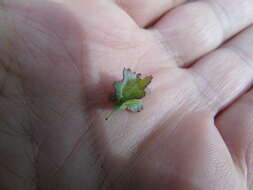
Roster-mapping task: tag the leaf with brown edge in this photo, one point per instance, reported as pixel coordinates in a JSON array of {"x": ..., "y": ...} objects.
[{"x": 129, "y": 92}]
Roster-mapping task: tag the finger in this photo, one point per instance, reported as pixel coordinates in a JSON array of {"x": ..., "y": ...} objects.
[
  {"x": 192, "y": 30},
  {"x": 236, "y": 126},
  {"x": 227, "y": 72},
  {"x": 144, "y": 12},
  {"x": 100, "y": 13}
]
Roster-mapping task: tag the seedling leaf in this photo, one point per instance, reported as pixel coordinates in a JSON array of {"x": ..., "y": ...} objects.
[{"x": 129, "y": 92}]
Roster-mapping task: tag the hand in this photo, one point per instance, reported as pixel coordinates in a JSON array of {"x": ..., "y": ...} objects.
[{"x": 58, "y": 63}]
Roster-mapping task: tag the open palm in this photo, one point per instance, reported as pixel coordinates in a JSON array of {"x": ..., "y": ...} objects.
[{"x": 58, "y": 63}]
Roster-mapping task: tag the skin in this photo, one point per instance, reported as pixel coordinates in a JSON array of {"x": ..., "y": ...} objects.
[{"x": 58, "y": 60}]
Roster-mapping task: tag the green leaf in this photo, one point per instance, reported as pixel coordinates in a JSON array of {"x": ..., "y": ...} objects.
[
  {"x": 129, "y": 91},
  {"x": 131, "y": 87}
]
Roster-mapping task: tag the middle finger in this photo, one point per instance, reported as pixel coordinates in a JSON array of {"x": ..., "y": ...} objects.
[{"x": 194, "y": 29}]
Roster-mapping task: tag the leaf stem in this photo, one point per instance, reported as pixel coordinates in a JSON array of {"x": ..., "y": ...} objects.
[{"x": 110, "y": 114}]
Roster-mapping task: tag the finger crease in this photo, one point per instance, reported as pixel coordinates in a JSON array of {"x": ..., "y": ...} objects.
[
  {"x": 217, "y": 10},
  {"x": 167, "y": 48},
  {"x": 246, "y": 59}
]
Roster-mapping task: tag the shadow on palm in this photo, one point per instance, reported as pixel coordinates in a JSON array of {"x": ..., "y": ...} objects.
[{"x": 67, "y": 70}]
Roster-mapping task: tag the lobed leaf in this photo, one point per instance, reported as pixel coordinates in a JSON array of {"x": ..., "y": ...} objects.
[{"x": 129, "y": 91}]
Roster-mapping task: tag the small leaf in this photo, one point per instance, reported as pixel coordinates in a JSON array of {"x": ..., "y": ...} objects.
[{"x": 129, "y": 91}]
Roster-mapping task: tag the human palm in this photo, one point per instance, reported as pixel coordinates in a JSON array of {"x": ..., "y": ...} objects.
[{"x": 58, "y": 63}]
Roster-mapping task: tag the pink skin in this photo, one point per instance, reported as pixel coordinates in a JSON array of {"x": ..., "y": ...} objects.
[{"x": 58, "y": 63}]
